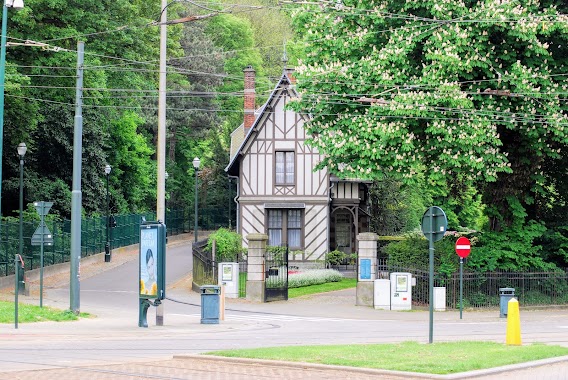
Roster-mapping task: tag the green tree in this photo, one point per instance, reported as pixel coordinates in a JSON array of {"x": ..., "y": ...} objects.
[
  {"x": 41, "y": 96},
  {"x": 396, "y": 208},
  {"x": 461, "y": 93},
  {"x": 235, "y": 37}
]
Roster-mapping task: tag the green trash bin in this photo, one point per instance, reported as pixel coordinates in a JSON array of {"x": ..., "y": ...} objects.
[
  {"x": 210, "y": 298},
  {"x": 505, "y": 295}
]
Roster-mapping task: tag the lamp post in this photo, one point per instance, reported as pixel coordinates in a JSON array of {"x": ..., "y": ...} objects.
[
  {"x": 22, "y": 148},
  {"x": 196, "y": 163},
  {"x": 108, "y": 168},
  {"x": 7, "y": 4}
]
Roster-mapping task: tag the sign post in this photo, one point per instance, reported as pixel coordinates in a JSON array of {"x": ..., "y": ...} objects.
[
  {"x": 42, "y": 236},
  {"x": 463, "y": 248},
  {"x": 434, "y": 226}
]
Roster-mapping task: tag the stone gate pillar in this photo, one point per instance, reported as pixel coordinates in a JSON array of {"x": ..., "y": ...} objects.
[
  {"x": 366, "y": 268},
  {"x": 255, "y": 266}
]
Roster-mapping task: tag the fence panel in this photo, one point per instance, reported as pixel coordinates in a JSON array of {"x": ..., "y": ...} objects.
[
  {"x": 93, "y": 239},
  {"x": 204, "y": 268},
  {"x": 481, "y": 289}
]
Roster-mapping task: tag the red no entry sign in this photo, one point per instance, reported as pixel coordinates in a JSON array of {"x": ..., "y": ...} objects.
[{"x": 463, "y": 247}]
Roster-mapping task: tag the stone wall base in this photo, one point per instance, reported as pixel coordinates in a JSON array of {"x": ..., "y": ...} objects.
[{"x": 255, "y": 291}]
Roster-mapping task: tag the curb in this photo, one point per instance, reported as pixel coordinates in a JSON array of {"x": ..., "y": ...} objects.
[
  {"x": 371, "y": 371},
  {"x": 507, "y": 368},
  {"x": 300, "y": 365}
]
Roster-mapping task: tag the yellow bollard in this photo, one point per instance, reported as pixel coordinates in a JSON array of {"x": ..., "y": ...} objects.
[{"x": 513, "y": 323}]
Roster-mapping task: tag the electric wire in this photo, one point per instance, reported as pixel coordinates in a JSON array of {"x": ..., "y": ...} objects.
[{"x": 518, "y": 118}]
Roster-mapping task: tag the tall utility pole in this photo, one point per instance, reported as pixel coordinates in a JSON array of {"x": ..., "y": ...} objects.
[
  {"x": 76, "y": 196},
  {"x": 161, "y": 156},
  {"x": 161, "y": 148}
]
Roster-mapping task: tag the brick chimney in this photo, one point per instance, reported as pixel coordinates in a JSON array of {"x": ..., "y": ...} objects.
[
  {"x": 249, "y": 98},
  {"x": 290, "y": 73}
]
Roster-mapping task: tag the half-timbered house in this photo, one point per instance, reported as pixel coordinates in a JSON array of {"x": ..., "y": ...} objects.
[{"x": 279, "y": 192}]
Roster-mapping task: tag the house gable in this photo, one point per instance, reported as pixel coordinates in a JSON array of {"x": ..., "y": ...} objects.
[
  {"x": 277, "y": 130},
  {"x": 280, "y": 130}
]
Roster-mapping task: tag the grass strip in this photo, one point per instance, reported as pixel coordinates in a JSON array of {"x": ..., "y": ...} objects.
[
  {"x": 345, "y": 283},
  {"x": 437, "y": 358},
  {"x": 31, "y": 313}
]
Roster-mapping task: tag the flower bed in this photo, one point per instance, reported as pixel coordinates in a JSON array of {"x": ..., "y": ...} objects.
[{"x": 313, "y": 277}]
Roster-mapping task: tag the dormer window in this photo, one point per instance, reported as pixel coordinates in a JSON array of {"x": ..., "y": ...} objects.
[{"x": 285, "y": 168}]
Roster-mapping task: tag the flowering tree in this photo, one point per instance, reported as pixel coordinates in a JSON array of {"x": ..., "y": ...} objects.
[{"x": 457, "y": 93}]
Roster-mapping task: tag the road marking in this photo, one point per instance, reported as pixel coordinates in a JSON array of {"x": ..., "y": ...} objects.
[{"x": 288, "y": 318}]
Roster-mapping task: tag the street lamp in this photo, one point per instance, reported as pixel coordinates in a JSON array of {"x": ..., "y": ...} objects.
[
  {"x": 7, "y": 4},
  {"x": 108, "y": 168},
  {"x": 22, "y": 148},
  {"x": 196, "y": 163}
]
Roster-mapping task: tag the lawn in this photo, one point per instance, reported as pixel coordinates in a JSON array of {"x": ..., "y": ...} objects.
[
  {"x": 345, "y": 283},
  {"x": 31, "y": 313},
  {"x": 437, "y": 358}
]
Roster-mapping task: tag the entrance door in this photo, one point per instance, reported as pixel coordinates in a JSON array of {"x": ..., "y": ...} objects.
[{"x": 343, "y": 227}]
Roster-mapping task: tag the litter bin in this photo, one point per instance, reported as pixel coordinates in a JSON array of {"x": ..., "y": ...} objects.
[
  {"x": 210, "y": 296},
  {"x": 505, "y": 295}
]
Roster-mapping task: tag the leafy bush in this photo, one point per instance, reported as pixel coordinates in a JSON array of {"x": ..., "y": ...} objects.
[
  {"x": 510, "y": 249},
  {"x": 228, "y": 244},
  {"x": 412, "y": 252},
  {"x": 352, "y": 258},
  {"x": 313, "y": 277},
  {"x": 335, "y": 257}
]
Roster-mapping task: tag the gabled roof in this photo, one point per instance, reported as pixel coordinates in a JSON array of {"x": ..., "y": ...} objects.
[{"x": 238, "y": 138}]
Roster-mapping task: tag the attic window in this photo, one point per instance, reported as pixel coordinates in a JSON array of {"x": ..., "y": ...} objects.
[{"x": 285, "y": 168}]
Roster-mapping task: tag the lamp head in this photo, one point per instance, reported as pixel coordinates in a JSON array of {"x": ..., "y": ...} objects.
[
  {"x": 196, "y": 163},
  {"x": 166, "y": 175},
  {"x": 22, "y": 149},
  {"x": 108, "y": 168},
  {"x": 18, "y": 4}
]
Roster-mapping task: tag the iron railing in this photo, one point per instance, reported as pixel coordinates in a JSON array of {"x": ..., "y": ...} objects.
[
  {"x": 205, "y": 269},
  {"x": 93, "y": 239},
  {"x": 481, "y": 289},
  {"x": 93, "y": 235},
  {"x": 181, "y": 221}
]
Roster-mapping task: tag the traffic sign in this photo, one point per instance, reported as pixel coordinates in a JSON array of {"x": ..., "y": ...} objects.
[
  {"x": 42, "y": 207},
  {"x": 434, "y": 223},
  {"x": 463, "y": 247},
  {"x": 42, "y": 230}
]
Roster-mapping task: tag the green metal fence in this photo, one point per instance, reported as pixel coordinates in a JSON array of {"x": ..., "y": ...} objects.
[
  {"x": 210, "y": 218},
  {"x": 481, "y": 289},
  {"x": 205, "y": 271},
  {"x": 93, "y": 235}
]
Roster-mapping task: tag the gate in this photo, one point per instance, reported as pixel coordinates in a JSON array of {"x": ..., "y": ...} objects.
[
  {"x": 276, "y": 275},
  {"x": 243, "y": 269}
]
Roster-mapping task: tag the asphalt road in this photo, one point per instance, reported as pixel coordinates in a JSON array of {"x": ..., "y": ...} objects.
[{"x": 114, "y": 338}]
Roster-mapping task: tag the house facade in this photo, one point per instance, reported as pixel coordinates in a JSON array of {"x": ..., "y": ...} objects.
[{"x": 280, "y": 193}]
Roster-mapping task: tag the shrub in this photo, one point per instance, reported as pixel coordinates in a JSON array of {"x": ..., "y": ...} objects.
[
  {"x": 352, "y": 258},
  {"x": 412, "y": 252},
  {"x": 228, "y": 244},
  {"x": 335, "y": 257},
  {"x": 313, "y": 277}
]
